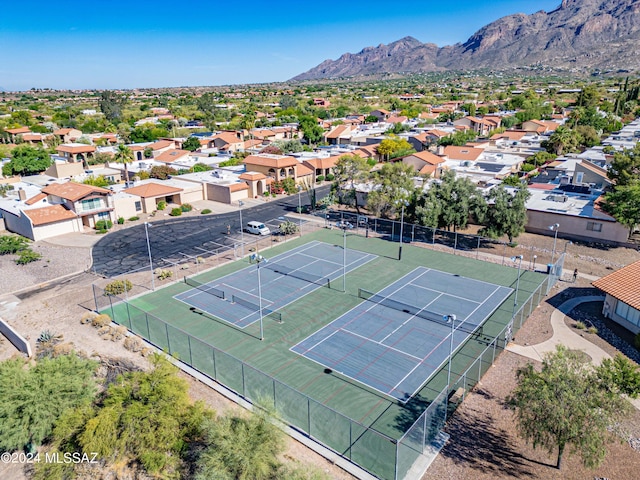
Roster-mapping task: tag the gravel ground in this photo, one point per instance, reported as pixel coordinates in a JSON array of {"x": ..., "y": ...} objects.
[{"x": 483, "y": 441}]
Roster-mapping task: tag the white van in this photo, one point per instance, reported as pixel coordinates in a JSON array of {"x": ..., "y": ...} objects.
[{"x": 257, "y": 228}]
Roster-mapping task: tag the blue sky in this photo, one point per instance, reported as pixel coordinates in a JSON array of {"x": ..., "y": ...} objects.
[{"x": 119, "y": 44}]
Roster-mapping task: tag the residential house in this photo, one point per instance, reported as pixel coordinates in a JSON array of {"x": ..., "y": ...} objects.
[
  {"x": 86, "y": 201},
  {"x": 578, "y": 213},
  {"x": 456, "y": 154},
  {"x": 15, "y": 132},
  {"x": 321, "y": 167},
  {"x": 278, "y": 167},
  {"x": 340, "y": 135},
  {"x": 157, "y": 148},
  {"x": 482, "y": 126},
  {"x": 622, "y": 301},
  {"x": 153, "y": 192},
  {"x": 168, "y": 157},
  {"x": 380, "y": 114},
  {"x": 540, "y": 126},
  {"x": 425, "y": 163},
  {"x": 393, "y": 119},
  {"x": 67, "y": 135},
  {"x": 76, "y": 152},
  {"x": 229, "y": 141},
  {"x": 588, "y": 173}
]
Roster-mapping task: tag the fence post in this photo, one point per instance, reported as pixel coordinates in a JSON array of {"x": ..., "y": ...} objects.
[
  {"x": 146, "y": 317},
  {"x": 455, "y": 242},
  {"x": 478, "y": 249},
  {"x": 213, "y": 356},
  {"x": 243, "y": 386},
  {"x": 190, "y": 354},
  {"x": 413, "y": 232},
  {"x": 95, "y": 298}
]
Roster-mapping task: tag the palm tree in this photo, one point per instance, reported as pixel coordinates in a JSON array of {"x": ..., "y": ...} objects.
[{"x": 124, "y": 155}]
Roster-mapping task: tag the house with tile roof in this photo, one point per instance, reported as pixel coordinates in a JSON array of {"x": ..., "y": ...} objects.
[
  {"x": 153, "y": 192},
  {"x": 340, "y": 134},
  {"x": 15, "y": 132},
  {"x": 277, "y": 167},
  {"x": 540, "y": 126},
  {"x": 68, "y": 135},
  {"x": 230, "y": 141},
  {"x": 76, "y": 152},
  {"x": 56, "y": 209},
  {"x": 622, "y": 301},
  {"x": 425, "y": 163}
]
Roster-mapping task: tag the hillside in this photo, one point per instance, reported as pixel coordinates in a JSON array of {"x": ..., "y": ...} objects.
[{"x": 584, "y": 35}]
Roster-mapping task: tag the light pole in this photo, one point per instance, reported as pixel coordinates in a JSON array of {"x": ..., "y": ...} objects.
[
  {"x": 146, "y": 232},
  {"x": 534, "y": 262},
  {"x": 515, "y": 299},
  {"x": 344, "y": 226},
  {"x": 259, "y": 259},
  {"x": 452, "y": 320},
  {"x": 555, "y": 228},
  {"x": 240, "y": 204},
  {"x": 300, "y": 208},
  {"x": 404, "y": 204}
]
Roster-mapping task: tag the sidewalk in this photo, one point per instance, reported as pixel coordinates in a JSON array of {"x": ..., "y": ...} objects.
[{"x": 564, "y": 335}]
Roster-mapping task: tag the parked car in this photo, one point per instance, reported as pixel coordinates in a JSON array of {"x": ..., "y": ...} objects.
[{"x": 257, "y": 228}]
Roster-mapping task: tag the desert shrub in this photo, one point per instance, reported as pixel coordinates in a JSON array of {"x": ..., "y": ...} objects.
[
  {"x": 133, "y": 344},
  {"x": 186, "y": 207},
  {"x": 27, "y": 256},
  {"x": 101, "y": 320},
  {"x": 104, "y": 224},
  {"x": 176, "y": 212},
  {"x": 161, "y": 205},
  {"x": 120, "y": 220},
  {"x": 12, "y": 244},
  {"x": 320, "y": 178},
  {"x": 118, "y": 333},
  {"x": 133, "y": 219},
  {"x": 205, "y": 211},
  {"x": 118, "y": 287},
  {"x": 162, "y": 274},
  {"x": 330, "y": 177},
  {"x": 88, "y": 317},
  {"x": 580, "y": 325},
  {"x": 288, "y": 228},
  {"x": 593, "y": 330}
]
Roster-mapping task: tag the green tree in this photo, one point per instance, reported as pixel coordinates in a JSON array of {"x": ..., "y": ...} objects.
[
  {"x": 111, "y": 105},
  {"x": 394, "y": 186},
  {"x": 311, "y": 130},
  {"x": 624, "y": 205},
  {"x": 507, "y": 213},
  {"x": 200, "y": 167},
  {"x": 563, "y": 140},
  {"x": 450, "y": 203},
  {"x": 147, "y": 416},
  {"x": 241, "y": 448},
  {"x": 31, "y": 399},
  {"x": 162, "y": 172},
  {"x": 27, "y": 160},
  {"x": 124, "y": 155},
  {"x": 620, "y": 375},
  {"x": 98, "y": 181},
  {"x": 192, "y": 144},
  {"x": 564, "y": 405},
  {"x": 349, "y": 170},
  {"x": 625, "y": 167}
]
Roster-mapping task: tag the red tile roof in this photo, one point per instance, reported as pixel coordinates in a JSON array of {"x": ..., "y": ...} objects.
[
  {"x": 51, "y": 214},
  {"x": 273, "y": 161},
  {"x": 35, "y": 199},
  {"x": 454, "y": 152},
  {"x": 172, "y": 155},
  {"x": 76, "y": 148},
  {"x": 623, "y": 284},
  {"x": 152, "y": 189},
  {"x": 73, "y": 191}
]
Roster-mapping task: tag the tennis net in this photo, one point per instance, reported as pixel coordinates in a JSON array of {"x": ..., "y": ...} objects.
[
  {"x": 413, "y": 310},
  {"x": 203, "y": 287},
  {"x": 295, "y": 273},
  {"x": 252, "y": 306}
]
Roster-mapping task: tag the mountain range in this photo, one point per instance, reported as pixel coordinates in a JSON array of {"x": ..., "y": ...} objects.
[{"x": 579, "y": 35}]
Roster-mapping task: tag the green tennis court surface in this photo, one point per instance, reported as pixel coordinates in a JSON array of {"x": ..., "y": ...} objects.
[{"x": 372, "y": 429}]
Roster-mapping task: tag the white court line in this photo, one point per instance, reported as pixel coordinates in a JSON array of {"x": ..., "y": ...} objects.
[
  {"x": 448, "y": 294},
  {"x": 389, "y": 347}
]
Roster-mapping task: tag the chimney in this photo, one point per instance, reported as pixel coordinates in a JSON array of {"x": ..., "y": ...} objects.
[{"x": 22, "y": 195}]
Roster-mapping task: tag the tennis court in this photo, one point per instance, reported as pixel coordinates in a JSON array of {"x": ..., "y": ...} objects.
[
  {"x": 285, "y": 278},
  {"x": 397, "y": 339}
]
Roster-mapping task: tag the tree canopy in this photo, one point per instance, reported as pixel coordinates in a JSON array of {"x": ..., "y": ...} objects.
[
  {"x": 507, "y": 212},
  {"x": 32, "y": 399},
  {"x": 565, "y": 405},
  {"x": 192, "y": 144},
  {"x": 348, "y": 170},
  {"x": 27, "y": 160}
]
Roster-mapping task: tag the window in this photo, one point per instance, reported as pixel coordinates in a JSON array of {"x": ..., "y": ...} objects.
[
  {"x": 628, "y": 313},
  {"x": 138, "y": 206},
  {"x": 594, "y": 226},
  {"x": 579, "y": 177},
  {"x": 91, "y": 204}
]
